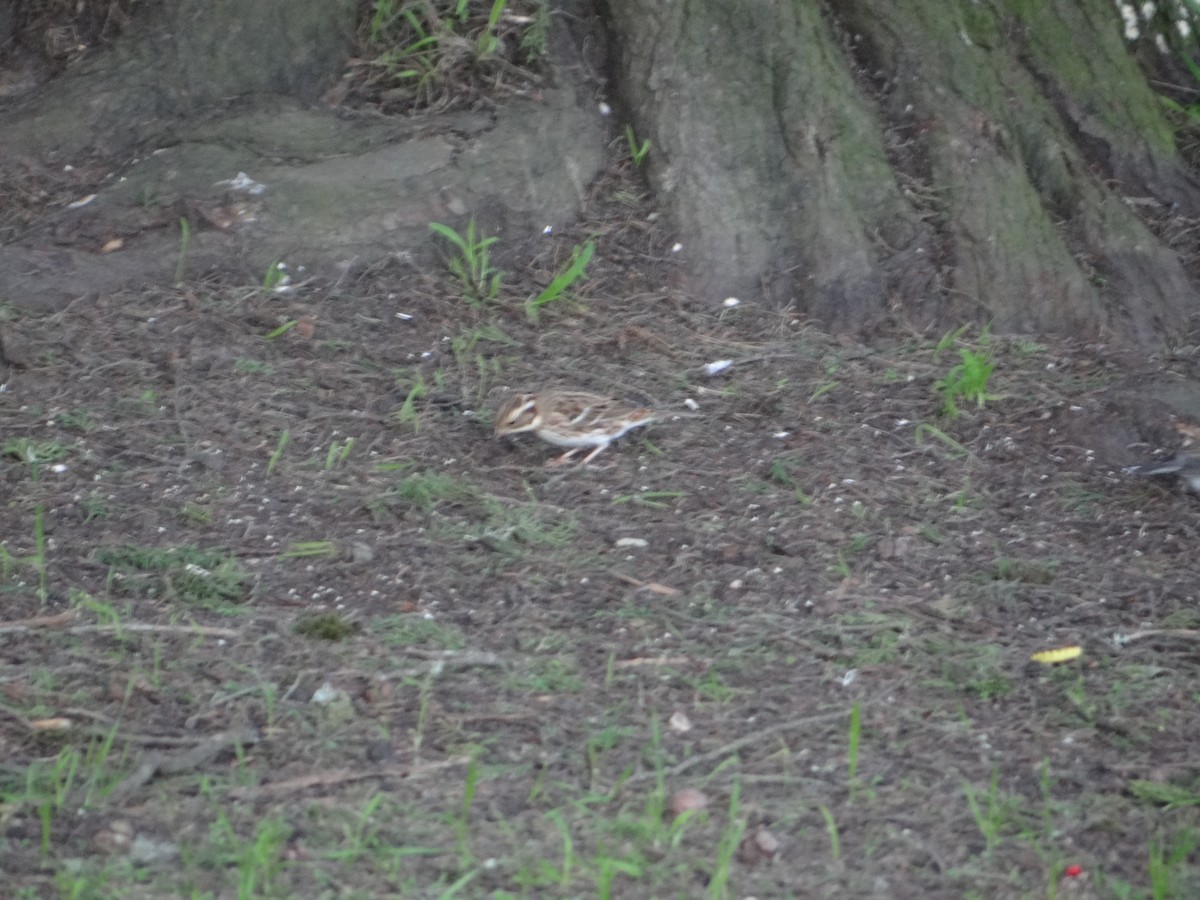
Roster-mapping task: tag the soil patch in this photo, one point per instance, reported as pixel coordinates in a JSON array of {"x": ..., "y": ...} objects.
[{"x": 283, "y": 618}]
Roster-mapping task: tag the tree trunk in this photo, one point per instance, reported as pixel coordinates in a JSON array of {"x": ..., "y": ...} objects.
[
  {"x": 932, "y": 161},
  {"x": 864, "y": 161}
]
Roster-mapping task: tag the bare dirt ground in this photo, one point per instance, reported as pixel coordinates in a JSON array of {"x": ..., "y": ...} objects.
[{"x": 282, "y": 618}]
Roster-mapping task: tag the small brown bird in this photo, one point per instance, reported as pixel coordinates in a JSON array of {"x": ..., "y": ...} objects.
[{"x": 573, "y": 419}]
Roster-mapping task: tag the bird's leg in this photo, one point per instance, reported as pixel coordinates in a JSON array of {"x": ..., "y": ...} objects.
[
  {"x": 562, "y": 460},
  {"x": 587, "y": 459}
]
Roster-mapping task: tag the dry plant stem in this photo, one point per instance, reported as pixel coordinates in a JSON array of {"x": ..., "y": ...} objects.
[
  {"x": 653, "y": 661},
  {"x": 135, "y": 627},
  {"x": 342, "y": 776},
  {"x": 752, "y": 738},
  {"x": 445, "y": 659},
  {"x": 653, "y": 586},
  {"x": 1162, "y": 632},
  {"x": 105, "y": 730},
  {"x": 53, "y": 621}
]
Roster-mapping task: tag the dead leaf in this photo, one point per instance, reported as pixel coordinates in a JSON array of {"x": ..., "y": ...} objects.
[
  {"x": 757, "y": 847},
  {"x": 1057, "y": 655},
  {"x": 687, "y": 800},
  {"x": 306, "y": 327}
]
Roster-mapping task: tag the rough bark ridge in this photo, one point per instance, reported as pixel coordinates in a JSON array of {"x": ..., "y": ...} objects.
[
  {"x": 951, "y": 161},
  {"x": 771, "y": 163}
]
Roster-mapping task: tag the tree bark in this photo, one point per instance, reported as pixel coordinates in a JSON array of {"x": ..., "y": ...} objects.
[
  {"x": 865, "y": 161},
  {"x": 933, "y": 161}
]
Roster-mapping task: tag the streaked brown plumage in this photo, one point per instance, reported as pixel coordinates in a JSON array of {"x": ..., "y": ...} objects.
[{"x": 573, "y": 419}]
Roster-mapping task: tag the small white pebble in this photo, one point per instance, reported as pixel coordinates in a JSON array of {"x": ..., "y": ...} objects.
[
  {"x": 325, "y": 694},
  {"x": 717, "y": 367},
  {"x": 605, "y": 109},
  {"x": 691, "y": 404},
  {"x": 679, "y": 723},
  {"x": 730, "y": 302},
  {"x": 675, "y": 248}
]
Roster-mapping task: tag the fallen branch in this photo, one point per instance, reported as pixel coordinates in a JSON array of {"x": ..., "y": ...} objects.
[{"x": 201, "y": 754}]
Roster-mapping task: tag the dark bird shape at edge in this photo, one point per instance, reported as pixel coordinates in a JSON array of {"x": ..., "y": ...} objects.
[{"x": 1182, "y": 466}]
